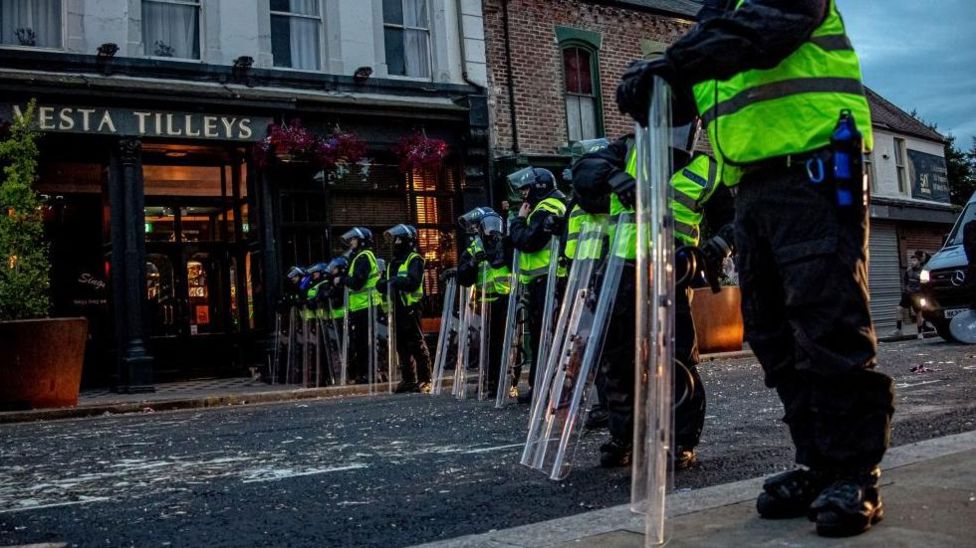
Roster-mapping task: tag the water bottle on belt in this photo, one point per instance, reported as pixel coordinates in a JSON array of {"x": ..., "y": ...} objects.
[{"x": 847, "y": 161}]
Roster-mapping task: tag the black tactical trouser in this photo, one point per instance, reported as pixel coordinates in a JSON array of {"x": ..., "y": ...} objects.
[
  {"x": 618, "y": 375},
  {"x": 359, "y": 344},
  {"x": 497, "y": 310},
  {"x": 536, "y": 291},
  {"x": 411, "y": 346},
  {"x": 804, "y": 276}
]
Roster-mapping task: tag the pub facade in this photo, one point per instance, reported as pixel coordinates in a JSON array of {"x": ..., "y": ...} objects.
[{"x": 165, "y": 231}]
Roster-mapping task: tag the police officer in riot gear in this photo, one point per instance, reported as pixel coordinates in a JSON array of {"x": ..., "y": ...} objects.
[
  {"x": 697, "y": 194},
  {"x": 539, "y": 219},
  {"x": 361, "y": 281},
  {"x": 485, "y": 264},
  {"x": 778, "y": 85},
  {"x": 405, "y": 275}
]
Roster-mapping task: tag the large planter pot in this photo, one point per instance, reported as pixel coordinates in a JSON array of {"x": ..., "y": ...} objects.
[
  {"x": 718, "y": 319},
  {"x": 40, "y": 362}
]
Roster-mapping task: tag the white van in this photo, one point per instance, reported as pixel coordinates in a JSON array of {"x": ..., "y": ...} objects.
[{"x": 944, "y": 283}]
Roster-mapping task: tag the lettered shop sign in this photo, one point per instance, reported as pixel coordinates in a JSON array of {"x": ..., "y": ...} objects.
[{"x": 143, "y": 122}]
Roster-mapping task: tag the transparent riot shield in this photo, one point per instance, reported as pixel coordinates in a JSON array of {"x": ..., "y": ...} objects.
[
  {"x": 293, "y": 326},
  {"x": 535, "y": 442},
  {"x": 391, "y": 342},
  {"x": 459, "y": 389},
  {"x": 446, "y": 334},
  {"x": 654, "y": 338},
  {"x": 510, "y": 341},
  {"x": 571, "y": 369},
  {"x": 333, "y": 332},
  {"x": 276, "y": 352},
  {"x": 484, "y": 311},
  {"x": 548, "y": 310},
  {"x": 373, "y": 331},
  {"x": 963, "y": 327},
  {"x": 345, "y": 338},
  {"x": 306, "y": 345}
]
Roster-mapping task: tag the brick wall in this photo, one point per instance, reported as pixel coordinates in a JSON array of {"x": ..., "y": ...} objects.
[{"x": 537, "y": 65}]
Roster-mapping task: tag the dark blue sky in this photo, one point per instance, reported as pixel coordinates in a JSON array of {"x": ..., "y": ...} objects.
[{"x": 920, "y": 54}]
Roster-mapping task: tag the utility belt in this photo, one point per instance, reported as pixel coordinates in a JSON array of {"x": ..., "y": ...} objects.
[{"x": 791, "y": 162}]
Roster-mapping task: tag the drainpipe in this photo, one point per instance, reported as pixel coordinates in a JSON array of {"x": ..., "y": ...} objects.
[
  {"x": 510, "y": 77},
  {"x": 459, "y": 19}
]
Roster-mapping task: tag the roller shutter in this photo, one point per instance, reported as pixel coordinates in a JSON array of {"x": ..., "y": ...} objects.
[{"x": 884, "y": 275}]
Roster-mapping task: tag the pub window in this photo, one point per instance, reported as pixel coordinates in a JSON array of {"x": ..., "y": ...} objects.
[
  {"x": 406, "y": 31},
  {"x": 900, "y": 165},
  {"x": 171, "y": 28},
  {"x": 296, "y": 30},
  {"x": 432, "y": 199},
  {"x": 31, "y": 23},
  {"x": 581, "y": 93}
]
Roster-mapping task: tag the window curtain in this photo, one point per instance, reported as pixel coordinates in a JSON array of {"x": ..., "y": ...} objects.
[
  {"x": 171, "y": 30},
  {"x": 31, "y": 23},
  {"x": 415, "y": 42},
  {"x": 305, "y": 44}
]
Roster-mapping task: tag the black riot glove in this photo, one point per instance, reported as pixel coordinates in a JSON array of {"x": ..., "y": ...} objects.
[
  {"x": 714, "y": 251},
  {"x": 554, "y": 225},
  {"x": 636, "y": 85},
  {"x": 381, "y": 284},
  {"x": 448, "y": 274},
  {"x": 624, "y": 186}
]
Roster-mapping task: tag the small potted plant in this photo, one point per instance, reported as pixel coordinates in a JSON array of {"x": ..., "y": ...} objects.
[{"x": 42, "y": 357}]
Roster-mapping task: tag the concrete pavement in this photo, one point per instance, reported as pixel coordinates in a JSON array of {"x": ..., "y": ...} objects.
[{"x": 929, "y": 493}]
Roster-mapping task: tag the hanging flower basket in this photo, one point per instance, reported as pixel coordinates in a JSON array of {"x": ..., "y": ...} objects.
[
  {"x": 417, "y": 151},
  {"x": 294, "y": 144}
]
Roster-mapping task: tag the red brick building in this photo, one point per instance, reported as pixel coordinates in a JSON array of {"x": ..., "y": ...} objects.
[{"x": 553, "y": 68}]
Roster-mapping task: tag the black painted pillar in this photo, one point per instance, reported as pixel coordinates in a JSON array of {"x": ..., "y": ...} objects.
[{"x": 127, "y": 201}]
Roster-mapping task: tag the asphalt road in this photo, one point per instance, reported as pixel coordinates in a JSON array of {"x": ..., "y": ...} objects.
[{"x": 386, "y": 470}]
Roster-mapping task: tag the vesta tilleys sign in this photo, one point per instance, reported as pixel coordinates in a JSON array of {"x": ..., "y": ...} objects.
[{"x": 143, "y": 122}]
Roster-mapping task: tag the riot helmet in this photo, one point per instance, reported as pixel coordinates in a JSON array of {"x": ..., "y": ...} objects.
[
  {"x": 317, "y": 271},
  {"x": 403, "y": 237},
  {"x": 362, "y": 235},
  {"x": 491, "y": 224},
  {"x": 532, "y": 183},
  {"x": 470, "y": 221},
  {"x": 295, "y": 274},
  {"x": 338, "y": 266},
  {"x": 580, "y": 148}
]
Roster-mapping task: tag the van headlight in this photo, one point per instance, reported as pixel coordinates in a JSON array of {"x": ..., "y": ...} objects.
[{"x": 924, "y": 277}]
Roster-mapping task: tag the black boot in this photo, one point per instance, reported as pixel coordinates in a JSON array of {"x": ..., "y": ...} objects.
[
  {"x": 598, "y": 418},
  {"x": 849, "y": 506},
  {"x": 615, "y": 453},
  {"x": 406, "y": 386},
  {"x": 789, "y": 495}
]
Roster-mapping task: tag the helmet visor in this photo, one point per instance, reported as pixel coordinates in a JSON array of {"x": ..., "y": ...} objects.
[
  {"x": 521, "y": 179},
  {"x": 492, "y": 225}
]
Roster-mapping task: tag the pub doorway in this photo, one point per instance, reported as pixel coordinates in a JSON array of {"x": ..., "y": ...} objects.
[{"x": 201, "y": 261}]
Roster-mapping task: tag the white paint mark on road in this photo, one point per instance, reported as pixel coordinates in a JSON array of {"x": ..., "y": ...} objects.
[
  {"x": 27, "y": 506},
  {"x": 490, "y": 449},
  {"x": 903, "y": 385},
  {"x": 268, "y": 474}
]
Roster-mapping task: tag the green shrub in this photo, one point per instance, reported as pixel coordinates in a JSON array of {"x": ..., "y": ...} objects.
[{"x": 24, "y": 266}]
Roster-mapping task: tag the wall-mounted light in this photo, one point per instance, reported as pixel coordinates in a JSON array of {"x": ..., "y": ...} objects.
[
  {"x": 362, "y": 74},
  {"x": 243, "y": 63},
  {"x": 107, "y": 50}
]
